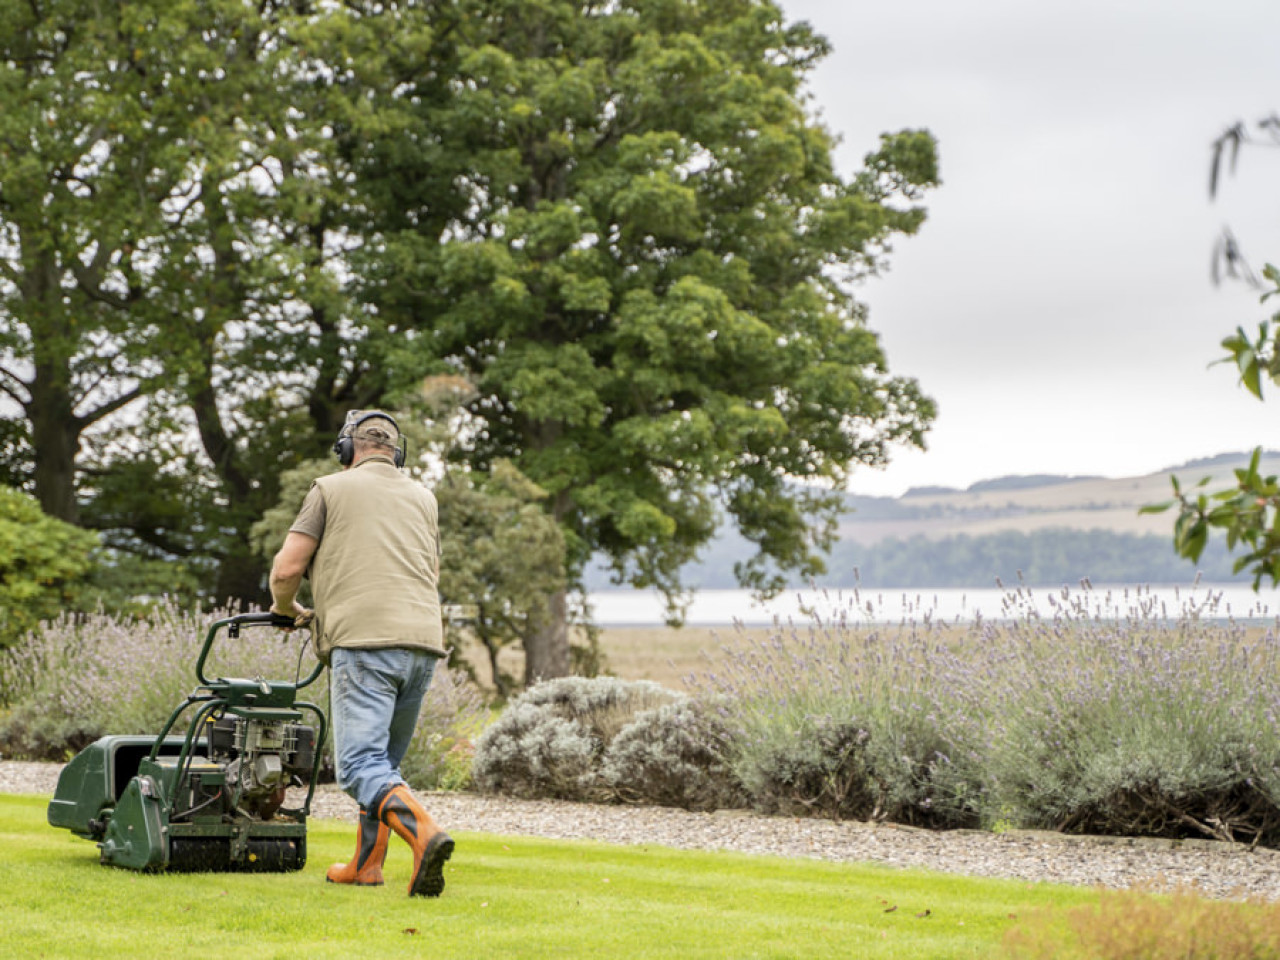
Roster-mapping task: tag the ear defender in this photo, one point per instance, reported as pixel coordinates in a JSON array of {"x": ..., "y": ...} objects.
[{"x": 344, "y": 448}]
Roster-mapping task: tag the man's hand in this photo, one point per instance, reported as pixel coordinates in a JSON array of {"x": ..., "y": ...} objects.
[{"x": 302, "y": 616}]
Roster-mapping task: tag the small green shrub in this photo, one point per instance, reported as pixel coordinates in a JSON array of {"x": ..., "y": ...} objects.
[
  {"x": 29, "y": 732},
  {"x": 816, "y": 767},
  {"x": 453, "y": 715},
  {"x": 43, "y": 563},
  {"x": 1140, "y": 925}
]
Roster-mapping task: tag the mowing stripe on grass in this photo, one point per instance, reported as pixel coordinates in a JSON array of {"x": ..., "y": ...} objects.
[{"x": 505, "y": 896}]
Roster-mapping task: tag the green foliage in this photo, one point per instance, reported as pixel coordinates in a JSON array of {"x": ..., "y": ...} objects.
[
  {"x": 620, "y": 224},
  {"x": 43, "y": 565},
  {"x": 1249, "y": 512},
  {"x": 504, "y": 557},
  {"x": 237, "y": 220},
  {"x": 1149, "y": 925},
  {"x": 180, "y": 223},
  {"x": 80, "y": 215}
]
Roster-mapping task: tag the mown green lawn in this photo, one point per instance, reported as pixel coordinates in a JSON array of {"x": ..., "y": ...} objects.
[{"x": 506, "y": 897}]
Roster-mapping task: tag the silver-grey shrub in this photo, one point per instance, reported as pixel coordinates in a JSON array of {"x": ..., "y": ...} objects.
[
  {"x": 551, "y": 740},
  {"x": 676, "y": 755}
]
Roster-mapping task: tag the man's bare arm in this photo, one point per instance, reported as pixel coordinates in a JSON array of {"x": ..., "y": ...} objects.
[{"x": 286, "y": 575}]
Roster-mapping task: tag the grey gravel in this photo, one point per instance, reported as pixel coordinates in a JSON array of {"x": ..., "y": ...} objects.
[{"x": 1217, "y": 869}]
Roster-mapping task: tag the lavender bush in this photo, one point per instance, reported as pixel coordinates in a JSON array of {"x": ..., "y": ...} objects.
[
  {"x": 1076, "y": 711},
  {"x": 78, "y": 678},
  {"x": 844, "y": 721},
  {"x": 1108, "y": 715}
]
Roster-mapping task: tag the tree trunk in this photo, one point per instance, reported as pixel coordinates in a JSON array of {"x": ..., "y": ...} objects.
[
  {"x": 242, "y": 578},
  {"x": 55, "y": 429},
  {"x": 546, "y": 652},
  {"x": 56, "y": 436},
  {"x": 495, "y": 672}
]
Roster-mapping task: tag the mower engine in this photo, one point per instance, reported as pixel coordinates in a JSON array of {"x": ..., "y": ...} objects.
[
  {"x": 261, "y": 761},
  {"x": 212, "y": 800}
]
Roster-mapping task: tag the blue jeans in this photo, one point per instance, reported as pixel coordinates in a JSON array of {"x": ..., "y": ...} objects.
[{"x": 375, "y": 696}]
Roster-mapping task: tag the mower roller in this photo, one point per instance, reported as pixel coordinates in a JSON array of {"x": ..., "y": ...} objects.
[{"x": 212, "y": 800}]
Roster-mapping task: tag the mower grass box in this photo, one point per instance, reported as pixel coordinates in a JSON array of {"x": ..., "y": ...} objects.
[{"x": 212, "y": 799}]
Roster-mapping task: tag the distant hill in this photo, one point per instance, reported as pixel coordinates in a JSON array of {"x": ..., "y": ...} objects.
[
  {"x": 1229, "y": 460},
  {"x": 1023, "y": 482},
  {"x": 928, "y": 491},
  {"x": 1024, "y": 504},
  {"x": 1051, "y": 530}
]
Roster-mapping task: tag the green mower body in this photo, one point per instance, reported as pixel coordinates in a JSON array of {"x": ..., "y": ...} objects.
[{"x": 214, "y": 799}]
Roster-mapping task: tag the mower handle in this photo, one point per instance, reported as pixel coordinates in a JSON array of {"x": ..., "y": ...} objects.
[{"x": 278, "y": 620}]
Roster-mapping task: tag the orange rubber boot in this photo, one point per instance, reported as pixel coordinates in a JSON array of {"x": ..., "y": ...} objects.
[
  {"x": 365, "y": 868},
  {"x": 431, "y": 846}
]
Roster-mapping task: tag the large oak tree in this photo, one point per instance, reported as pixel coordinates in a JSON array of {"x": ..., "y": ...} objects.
[{"x": 649, "y": 283}]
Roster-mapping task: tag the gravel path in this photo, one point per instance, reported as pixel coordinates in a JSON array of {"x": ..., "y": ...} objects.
[{"x": 1217, "y": 869}]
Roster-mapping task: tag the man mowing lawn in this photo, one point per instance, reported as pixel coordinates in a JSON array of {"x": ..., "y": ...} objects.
[{"x": 370, "y": 538}]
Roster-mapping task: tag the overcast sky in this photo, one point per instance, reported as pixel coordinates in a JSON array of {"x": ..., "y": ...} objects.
[{"x": 1057, "y": 304}]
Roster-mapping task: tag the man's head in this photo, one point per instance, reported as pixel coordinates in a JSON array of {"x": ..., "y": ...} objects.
[{"x": 368, "y": 432}]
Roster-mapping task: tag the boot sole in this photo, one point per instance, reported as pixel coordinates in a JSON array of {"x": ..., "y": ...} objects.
[{"x": 429, "y": 881}]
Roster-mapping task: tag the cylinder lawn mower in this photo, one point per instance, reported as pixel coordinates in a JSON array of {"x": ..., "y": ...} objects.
[{"x": 214, "y": 799}]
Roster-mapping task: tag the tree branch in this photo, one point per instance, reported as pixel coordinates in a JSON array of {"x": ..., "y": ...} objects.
[
  {"x": 13, "y": 275},
  {"x": 9, "y": 384},
  {"x": 149, "y": 535},
  {"x": 84, "y": 277},
  {"x": 111, "y": 406}
]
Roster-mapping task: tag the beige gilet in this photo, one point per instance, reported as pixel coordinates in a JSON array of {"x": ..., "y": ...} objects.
[{"x": 374, "y": 573}]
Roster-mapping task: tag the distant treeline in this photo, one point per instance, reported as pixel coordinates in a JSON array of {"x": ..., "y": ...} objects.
[{"x": 1049, "y": 557}]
